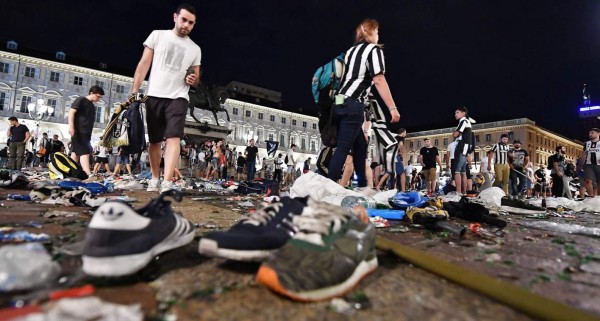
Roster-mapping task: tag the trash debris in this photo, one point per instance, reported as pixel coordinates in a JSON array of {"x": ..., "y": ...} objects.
[
  {"x": 379, "y": 221},
  {"x": 493, "y": 257},
  {"x": 342, "y": 306},
  {"x": 18, "y": 197},
  {"x": 55, "y": 213},
  {"x": 591, "y": 267},
  {"x": 561, "y": 227},
  {"x": 246, "y": 204},
  {"x": 387, "y": 214},
  {"x": 11, "y": 236},
  {"x": 25, "y": 266},
  {"x": 88, "y": 309}
]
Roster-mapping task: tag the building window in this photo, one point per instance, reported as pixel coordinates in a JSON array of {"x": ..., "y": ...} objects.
[
  {"x": 488, "y": 137},
  {"x": 259, "y": 135},
  {"x": 54, "y": 76},
  {"x": 304, "y": 124},
  {"x": 445, "y": 141},
  {"x": 103, "y": 65},
  {"x": 292, "y": 140},
  {"x": 511, "y": 135},
  {"x": 100, "y": 84},
  {"x": 11, "y": 45},
  {"x": 271, "y": 136},
  {"x": 477, "y": 138},
  {"x": 52, "y": 103},
  {"x": 282, "y": 139},
  {"x": 303, "y": 143},
  {"x": 248, "y": 113},
  {"x": 272, "y": 118},
  {"x": 3, "y": 100},
  {"x": 411, "y": 145},
  {"x": 25, "y": 100},
  {"x": 29, "y": 72},
  {"x": 4, "y": 67},
  {"x": 314, "y": 126},
  {"x": 99, "y": 114},
  {"x": 293, "y": 122},
  {"x": 418, "y": 144},
  {"x": 120, "y": 89},
  {"x": 261, "y": 116},
  {"x": 283, "y": 120},
  {"x": 236, "y": 111},
  {"x": 61, "y": 55},
  {"x": 313, "y": 145},
  {"x": 78, "y": 81},
  {"x": 435, "y": 142}
]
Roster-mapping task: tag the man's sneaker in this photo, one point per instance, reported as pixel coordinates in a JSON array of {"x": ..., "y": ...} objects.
[
  {"x": 332, "y": 251},
  {"x": 517, "y": 206},
  {"x": 256, "y": 237},
  {"x": 166, "y": 186},
  {"x": 121, "y": 241},
  {"x": 153, "y": 185}
]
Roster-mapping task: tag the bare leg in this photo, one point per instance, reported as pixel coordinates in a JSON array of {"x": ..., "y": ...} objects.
[
  {"x": 154, "y": 156},
  {"x": 85, "y": 163}
]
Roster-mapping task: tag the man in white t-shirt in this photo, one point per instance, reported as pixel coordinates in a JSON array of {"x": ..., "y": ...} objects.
[{"x": 175, "y": 61}]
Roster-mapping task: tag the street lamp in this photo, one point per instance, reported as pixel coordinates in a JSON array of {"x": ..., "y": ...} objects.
[{"x": 39, "y": 111}]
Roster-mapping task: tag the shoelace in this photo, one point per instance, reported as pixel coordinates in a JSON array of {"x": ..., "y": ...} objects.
[
  {"x": 317, "y": 222},
  {"x": 264, "y": 215},
  {"x": 160, "y": 206}
]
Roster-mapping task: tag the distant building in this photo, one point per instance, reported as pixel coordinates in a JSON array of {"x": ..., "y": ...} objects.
[
  {"x": 538, "y": 141},
  {"x": 27, "y": 76}
]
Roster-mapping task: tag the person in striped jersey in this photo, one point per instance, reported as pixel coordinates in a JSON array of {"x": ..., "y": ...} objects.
[
  {"x": 365, "y": 67},
  {"x": 590, "y": 159},
  {"x": 462, "y": 135},
  {"x": 501, "y": 167}
]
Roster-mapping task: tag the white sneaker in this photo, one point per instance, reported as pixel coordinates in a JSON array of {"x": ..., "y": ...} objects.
[
  {"x": 166, "y": 186},
  {"x": 153, "y": 185}
]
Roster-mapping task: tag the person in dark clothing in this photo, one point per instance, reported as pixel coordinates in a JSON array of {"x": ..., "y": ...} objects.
[
  {"x": 19, "y": 135},
  {"x": 306, "y": 166},
  {"x": 278, "y": 176},
  {"x": 3, "y": 157},
  {"x": 251, "y": 157},
  {"x": 241, "y": 163},
  {"x": 557, "y": 171},
  {"x": 81, "y": 123}
]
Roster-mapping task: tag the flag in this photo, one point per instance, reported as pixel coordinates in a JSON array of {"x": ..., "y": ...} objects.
[{"x": 271, "y": 148}]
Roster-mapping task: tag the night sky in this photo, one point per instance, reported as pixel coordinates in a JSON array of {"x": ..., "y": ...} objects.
[{"x": 501, "y": 59}]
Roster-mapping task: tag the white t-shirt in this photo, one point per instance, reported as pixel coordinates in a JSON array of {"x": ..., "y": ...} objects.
[
  {"x": 173, "y": 55},
  {"x": 101, "y": 151},
  {"x": 201, "y": 156},
  {"x": 451, "y": 148},
  {"x": 483, "y": 165},
  {"x": 290, "y": 155},
  {"x": 144, "y": 156}
]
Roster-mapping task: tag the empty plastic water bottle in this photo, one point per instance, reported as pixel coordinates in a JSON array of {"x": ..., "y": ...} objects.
[
  {"x": 364, "y": 201},
  {"x": 18, "y": 197}
]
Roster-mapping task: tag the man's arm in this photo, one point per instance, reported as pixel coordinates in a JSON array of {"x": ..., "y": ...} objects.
[
  {"x": 72, "y": 112},
  {"x": 142, "y": 69},
  {"x": 193, "y": 79},
  {"x": 556, "y": 168},
  {"x": 420, "y": 159},
  {"x": 27, "y": 136},
  {"x": 439, "y": 161}
]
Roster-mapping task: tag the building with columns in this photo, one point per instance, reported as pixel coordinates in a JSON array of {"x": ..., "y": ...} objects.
[{"x": 539, "y": 142}]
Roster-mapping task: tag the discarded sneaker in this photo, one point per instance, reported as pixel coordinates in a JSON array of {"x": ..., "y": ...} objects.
[
  {"x": 153, "y": 185},
  {"x": 333, "y": 250},
  {"x": 256, "y": 237},
  {"x": 121, "y": 240},
  {"x": 517, "y": 206}
]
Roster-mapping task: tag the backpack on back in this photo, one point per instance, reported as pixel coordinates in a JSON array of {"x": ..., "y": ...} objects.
[
  {"x": 62, "y": 166},
  {"x": 325, "y": 84}
]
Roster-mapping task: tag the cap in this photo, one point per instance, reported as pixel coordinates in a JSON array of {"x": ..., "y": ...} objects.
[{"x": 517, "y": 141}]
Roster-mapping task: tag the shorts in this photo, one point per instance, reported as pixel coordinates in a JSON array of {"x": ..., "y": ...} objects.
[
  {"x": 101, "y": 160},
  {"x": 592, "y": 173},
  {"x": 399, "y": 168},
  {"x": 166, "y": 117},
  {"x": 240, "y": 169},
  {"x": 290, "y": 169},
  {"x": 80, "y": 143},
  {"x": 430, "y": 174},
  {"x": 461, "y": 164},
  {"x": 123, "y": 160},
  {"x": 453, "y": 167}
]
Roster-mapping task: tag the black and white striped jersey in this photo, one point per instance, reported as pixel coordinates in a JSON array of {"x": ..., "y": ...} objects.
[
  {"x": 464, "y": 140},
  {"x": 363, "y": 62},
  {"x": 592, "y": 152},
  {"x": 501, "y": 153}
]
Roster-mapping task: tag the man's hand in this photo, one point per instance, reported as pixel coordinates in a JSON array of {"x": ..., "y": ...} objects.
[
  {"x": 489, "y": 168},
  {"x": 395, "y": 116},
  {"x": 190, "y": 79},
  {"x": 71, "y": 131}
]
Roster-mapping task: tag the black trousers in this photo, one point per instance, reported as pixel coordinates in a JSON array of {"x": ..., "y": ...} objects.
[{"x": 557, "y": 185}]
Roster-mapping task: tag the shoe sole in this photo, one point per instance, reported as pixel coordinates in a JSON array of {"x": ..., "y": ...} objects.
[
  {"x": 268, "y": 277},
  {"x": 211, "y": 248},
  {"x": 129, "y": 264}
]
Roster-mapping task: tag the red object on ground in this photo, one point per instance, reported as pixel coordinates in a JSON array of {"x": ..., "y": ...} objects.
[
  {"x": 12, "y": 313},
  {"x": 73, "y": 293}
]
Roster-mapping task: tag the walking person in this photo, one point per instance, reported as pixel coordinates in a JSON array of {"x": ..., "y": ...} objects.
[
  {"x": 101, "y": 159},
  {"x": 501, "y": 167},
  {"x": 365, "y": 68},
  {"x": 590, "y": 160},
  {"x": 81, "y": 123},
  {"x": 19, "y": 135},
  {"x": 463, "y": 136},
  {"x": 518, "y": 176},
  {"x": 251, "y": 157},
  {"x": 170, "y": 53},
  {"x": 44, "y": 150}
]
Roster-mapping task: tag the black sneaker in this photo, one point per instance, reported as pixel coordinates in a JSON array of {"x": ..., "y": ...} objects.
[
  {"x": 517, "y": 206},
  {"x": 256, "y": 237},
  {"x": 121, "y": 241}
]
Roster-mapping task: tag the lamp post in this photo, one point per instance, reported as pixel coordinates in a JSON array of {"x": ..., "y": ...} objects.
[{"x": 38, "y": 111}]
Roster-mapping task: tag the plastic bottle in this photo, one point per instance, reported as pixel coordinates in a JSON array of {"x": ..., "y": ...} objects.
[
  {"x": 364, "y": 201},
  {"x": 18, "y": 197}
]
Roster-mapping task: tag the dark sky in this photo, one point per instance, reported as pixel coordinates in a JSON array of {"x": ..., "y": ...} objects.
[{"x": 501, "y": 59}]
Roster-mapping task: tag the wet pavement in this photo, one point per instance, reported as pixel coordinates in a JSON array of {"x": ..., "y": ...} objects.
[{"x": 184, "y": 285}]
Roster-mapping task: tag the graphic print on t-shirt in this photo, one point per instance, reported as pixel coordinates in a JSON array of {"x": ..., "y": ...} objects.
[{"x": 173, "y": 57}]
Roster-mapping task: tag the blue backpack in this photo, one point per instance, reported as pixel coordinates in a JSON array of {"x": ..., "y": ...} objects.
[
  {"x": 325, "y": 84},
  {"x": 135, "y": 129}
]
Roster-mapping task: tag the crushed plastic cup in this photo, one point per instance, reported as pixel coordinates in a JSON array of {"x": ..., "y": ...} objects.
[{"x": 26, "y": 266}]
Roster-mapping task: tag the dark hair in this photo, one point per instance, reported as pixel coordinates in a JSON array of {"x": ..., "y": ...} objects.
[
  {"x": 96, "y": 90},
  {"x": 13, "y": 118},
  {"x": 186, "y": 6},
  {"x": 401, "y": 130},
  {"x": 463, "y": 109},
  {"x": 597, "y": 130},
  {"x": 426, "y": 138},
  {"x": 293, "y": 145},
  {"x": 558, "y": 148},
  {"x": 504, "y": 135}
]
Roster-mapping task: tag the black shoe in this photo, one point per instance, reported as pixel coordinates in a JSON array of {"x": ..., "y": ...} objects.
[
  {"x": 517, "y": 206},
  {"x": 121, "y": 240},
  {"x": 256, "y": 237}
]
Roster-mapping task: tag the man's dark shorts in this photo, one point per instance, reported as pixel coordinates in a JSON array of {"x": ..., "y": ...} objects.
[
  {"x": 102, "y": 160},
  {"x": 80, "y": 143},
  {"x": 165, "y": 118}
]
